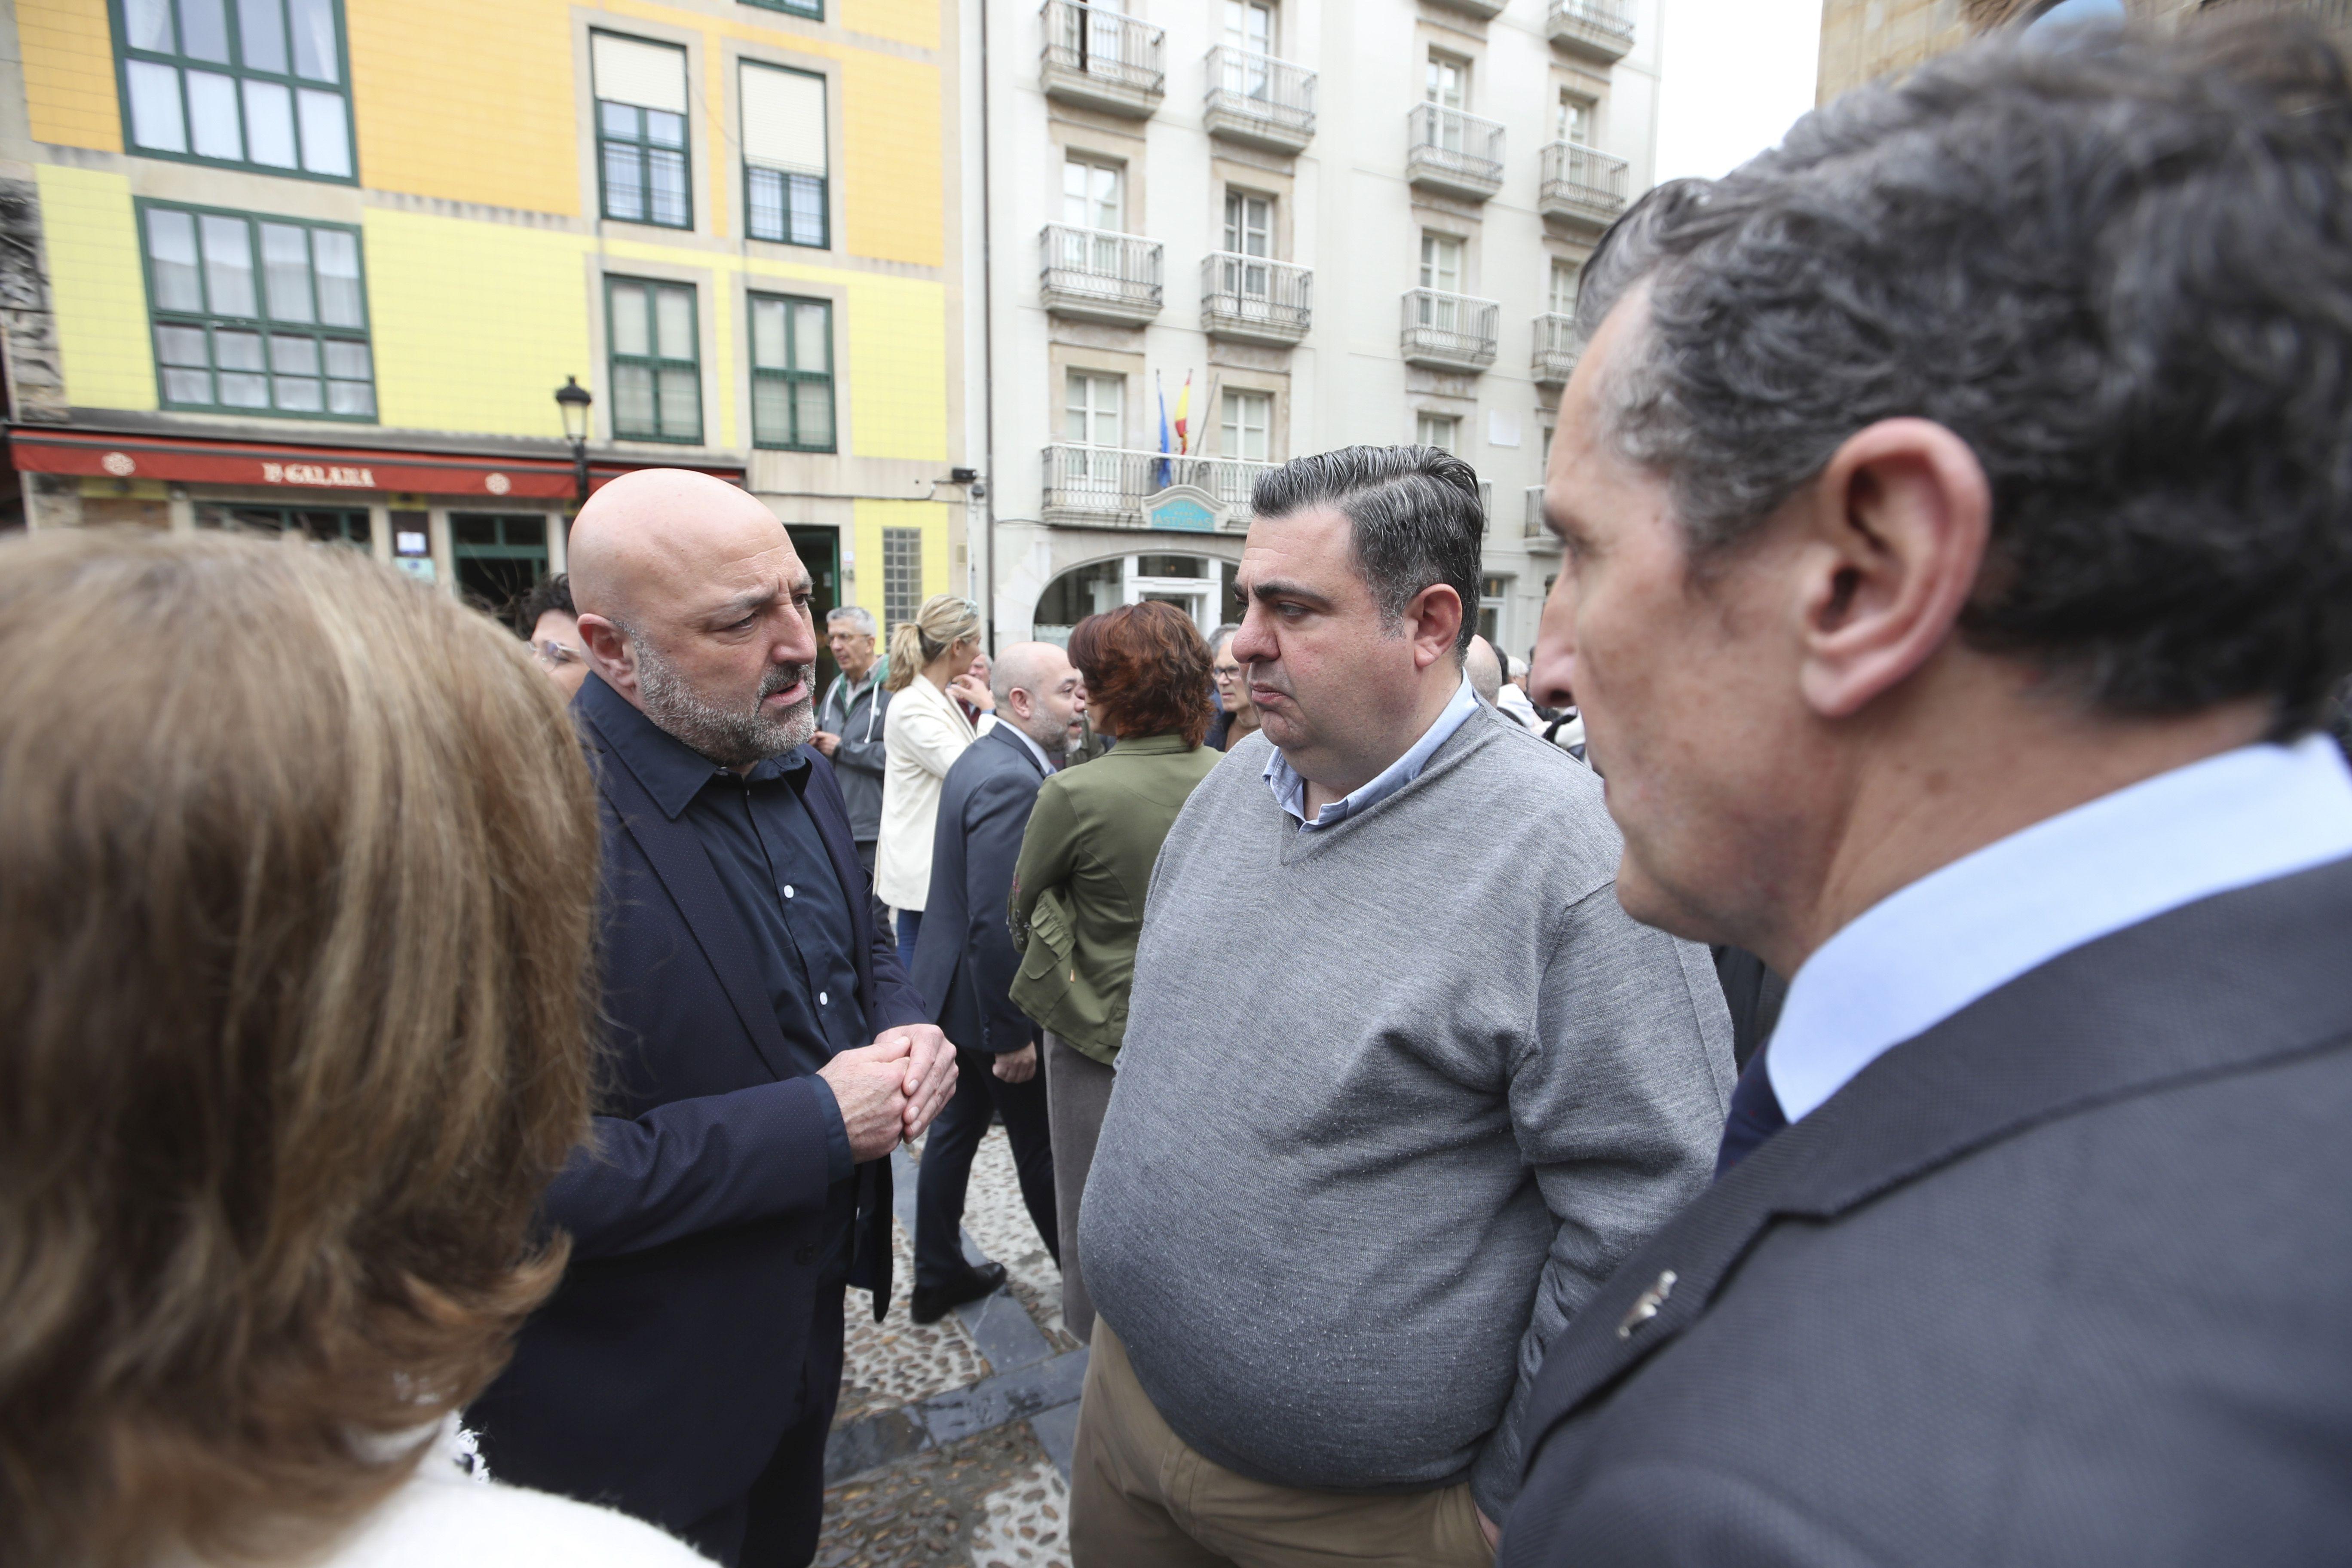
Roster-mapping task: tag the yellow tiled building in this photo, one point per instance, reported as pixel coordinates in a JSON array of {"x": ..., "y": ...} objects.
[{"x": 319, "y": 267}]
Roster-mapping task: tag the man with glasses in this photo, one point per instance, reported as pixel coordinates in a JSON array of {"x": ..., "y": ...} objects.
[
  {"x": 555, "y": 633},
  {"x": 849, "y": 727},
  {"x": 1236, "y": 719}
]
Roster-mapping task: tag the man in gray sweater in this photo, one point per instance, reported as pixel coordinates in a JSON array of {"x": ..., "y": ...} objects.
[{"x": 1401, "y": 1082}]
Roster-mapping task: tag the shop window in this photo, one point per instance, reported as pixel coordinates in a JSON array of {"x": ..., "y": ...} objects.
[
  {"x": 255, "y": 84},
  {"x": 786, "y": 168},
  {"x": 902, "y": 575},
  {"x": 656, "y": 361},
  {"x": 328, "y": 525},
  {"x": 641, "y": 125},
  {"x": 792, "y": 374},
  {"x": 499, "y": 559},
  {"x": 258, "y": 315}
]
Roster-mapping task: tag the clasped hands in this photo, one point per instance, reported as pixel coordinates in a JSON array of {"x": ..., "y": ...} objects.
[{"x": 889, "y": 1091}]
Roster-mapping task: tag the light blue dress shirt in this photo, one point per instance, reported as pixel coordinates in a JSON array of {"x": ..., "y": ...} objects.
[
  {"x": 1290, "y": 790},
  {"x": 1924, "y": 952}
]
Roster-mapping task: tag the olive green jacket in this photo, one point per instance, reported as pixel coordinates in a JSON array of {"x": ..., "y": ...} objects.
[{"x": 1078, "y": 890}]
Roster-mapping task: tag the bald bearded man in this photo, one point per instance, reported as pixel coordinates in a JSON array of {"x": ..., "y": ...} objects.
[{"x": 767, "y": 1051}]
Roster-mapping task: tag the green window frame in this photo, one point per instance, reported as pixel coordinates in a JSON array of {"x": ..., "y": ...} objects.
[
  {"x": 241, "y": 84},
  {"x": 257, "y": 314},
  {"x": 812, "y": 9},
  {"x": 902, "y": 575},
  {"x": 792, "y": 374},
  {"x": 645, "y": 168},
  {"x": 653, "y": 329},
  {"x": 787, "y": 159}
]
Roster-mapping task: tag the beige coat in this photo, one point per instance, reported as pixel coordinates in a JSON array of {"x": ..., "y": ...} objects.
[{"x": 922, "y": 735}]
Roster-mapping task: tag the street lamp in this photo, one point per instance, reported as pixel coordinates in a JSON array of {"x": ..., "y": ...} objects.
[{"x": 573, "y": 399}]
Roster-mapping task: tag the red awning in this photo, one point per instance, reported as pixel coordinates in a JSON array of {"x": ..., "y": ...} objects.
[{"x": 231, "y": 461}]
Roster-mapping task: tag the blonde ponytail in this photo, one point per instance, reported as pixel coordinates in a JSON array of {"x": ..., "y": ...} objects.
[
  {"x": 906, "y": 657},
  {"x": 942, "y": 622}
]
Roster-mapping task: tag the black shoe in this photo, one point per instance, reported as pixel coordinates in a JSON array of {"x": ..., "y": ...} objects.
[{"x": 932, "y": 1303}]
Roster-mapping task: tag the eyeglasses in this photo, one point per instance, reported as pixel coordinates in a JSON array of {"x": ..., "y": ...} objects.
[
  {"x": 555, "y": 655},
  {"x": 1225, "y": 671}
]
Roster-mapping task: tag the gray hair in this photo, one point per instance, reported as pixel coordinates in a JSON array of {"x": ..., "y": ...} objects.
[
  {"x": 860, "y": 619},
  {"x": 1217, "y": 638},
  {"x": 1417, "y": 516},
  {"x": 2120, "y": 270}
]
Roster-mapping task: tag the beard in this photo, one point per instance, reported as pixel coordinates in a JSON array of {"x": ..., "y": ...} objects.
[{"x": 732, "y": 737}]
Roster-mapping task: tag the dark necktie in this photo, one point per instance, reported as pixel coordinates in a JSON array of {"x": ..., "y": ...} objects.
[{"x": 1754, "y": 1116}]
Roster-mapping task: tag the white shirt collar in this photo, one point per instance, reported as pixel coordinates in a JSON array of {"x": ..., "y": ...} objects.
[
  {"x": 1044, "y": 764},
  {"x": 1962, "y": 931},
  {"x": 1290, "y": 790}
]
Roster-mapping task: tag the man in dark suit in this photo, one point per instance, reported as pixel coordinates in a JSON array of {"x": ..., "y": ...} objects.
[
  {"x": 1959, "y": 528},
  {"x": 768, "y": 1052},
  {"x": 965, "y": 964}
]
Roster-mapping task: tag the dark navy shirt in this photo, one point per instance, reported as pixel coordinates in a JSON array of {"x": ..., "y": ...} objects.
[{"x": 772, "y": 862}]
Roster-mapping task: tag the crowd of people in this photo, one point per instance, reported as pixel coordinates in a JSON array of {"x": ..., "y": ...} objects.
[{"x": 1842, "y": 1058}]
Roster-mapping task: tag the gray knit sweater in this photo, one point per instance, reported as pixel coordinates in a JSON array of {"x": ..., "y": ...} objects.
[{"x": 1396, "y": 1095}]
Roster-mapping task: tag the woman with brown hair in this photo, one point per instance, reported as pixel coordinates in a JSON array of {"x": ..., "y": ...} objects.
[
  {"x": 1086, "y": 862},
  {"x": 298, "y": 866}
]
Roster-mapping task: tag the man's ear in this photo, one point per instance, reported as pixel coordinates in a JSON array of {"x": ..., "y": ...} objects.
[
  {"x": 610, "y": 653},
  {"x": 1435, "y": 619},
  {"x": 1898, "y": 525}
]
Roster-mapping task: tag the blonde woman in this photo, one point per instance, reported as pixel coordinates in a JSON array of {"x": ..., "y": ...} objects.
[
  {"x": 923, "y": 735},
  {"x": 294, "y": 956}
]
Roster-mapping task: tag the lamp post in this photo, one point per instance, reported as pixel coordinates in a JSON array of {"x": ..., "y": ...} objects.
[{"x": 573, "y": 399}]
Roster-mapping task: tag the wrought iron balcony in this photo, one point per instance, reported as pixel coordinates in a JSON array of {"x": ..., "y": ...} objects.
[
  {"x": 1099, "y": 276},
  {"x": 1582, "y": 187},
  {"x": 1597, "y": 29},
  {"x": 1450, "y": 332},
  {"x": 1556, "y": 349},
  {"x": 1111, "y": 487},
  {"x": 1454, "y": 151},
  {"x": 1259, "y": 100},
  {"x": 1100, "y": 59},
  {"x": 1534, "y": 532},
  {"x": 1257, "y": 297}
]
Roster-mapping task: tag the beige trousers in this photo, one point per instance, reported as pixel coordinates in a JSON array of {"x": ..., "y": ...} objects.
[{"x": 1140, "y": 1497}]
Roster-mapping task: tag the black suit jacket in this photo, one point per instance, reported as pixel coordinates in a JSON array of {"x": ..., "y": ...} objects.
[
  {"x": 964, "y": 958},
  {"x": 660, "y": 1376},
  {"x": 2066, "y": 1279}
]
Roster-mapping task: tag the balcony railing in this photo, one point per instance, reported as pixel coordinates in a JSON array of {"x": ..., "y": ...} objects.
[
  {"x": 1554, "y": 360},
  {"x": 1258, "y": 99},
  {"x": 1102, "y": 60},
  {"x": 1452, "y": 150},
  {"x": 1109, "y": 487},
  {"x": 1450, "y": 332},
  {"x": 1255, "y": 297},
  {"x": 1583, "y": 185},
  {"x": 1534, "y": 531},
  {"x": 1098, "y": 275},
  {"x": 1602, "y": 29}
]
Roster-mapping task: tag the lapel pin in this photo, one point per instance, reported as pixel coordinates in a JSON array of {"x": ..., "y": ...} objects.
[{"x": 1646, "y": 1305}]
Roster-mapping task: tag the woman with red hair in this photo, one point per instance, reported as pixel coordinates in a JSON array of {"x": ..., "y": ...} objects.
[{"x": 1077, "y": 889}]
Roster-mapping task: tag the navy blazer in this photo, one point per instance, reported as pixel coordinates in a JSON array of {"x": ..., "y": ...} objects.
[
  {"x": 663, "y": 1372},
  {"x": 2063, "y": 1279},
  {"x": 964, "y": 958}
]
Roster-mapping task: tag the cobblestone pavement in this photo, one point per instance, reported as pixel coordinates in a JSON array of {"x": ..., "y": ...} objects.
[{"x": 953, "y": 1441}]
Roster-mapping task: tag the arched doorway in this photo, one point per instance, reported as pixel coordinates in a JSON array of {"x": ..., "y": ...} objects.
[{"x": 1199, "y": 585}]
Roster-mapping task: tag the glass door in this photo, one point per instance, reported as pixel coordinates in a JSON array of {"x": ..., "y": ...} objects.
[
  {"x": 1440, "y": 270},
  {"x": 1249, "y": 232},
  {"x": 1093, "y": 200},
  {"x": 1449, "y": 89},
  {"x": 1093, "y": 418}
]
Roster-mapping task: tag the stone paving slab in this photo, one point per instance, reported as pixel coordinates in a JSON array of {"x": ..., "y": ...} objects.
[
  {"x": 951, "y": 1446},
  {"x": 991, "y": 1501}
]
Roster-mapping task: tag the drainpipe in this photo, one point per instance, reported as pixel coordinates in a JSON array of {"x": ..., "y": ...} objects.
[{"x": 987, "y": 340}]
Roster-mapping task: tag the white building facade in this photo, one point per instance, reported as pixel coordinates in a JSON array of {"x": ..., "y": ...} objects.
[{"x": 1342, "y": 221}]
